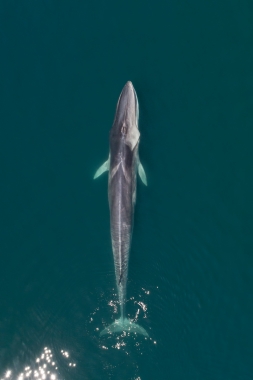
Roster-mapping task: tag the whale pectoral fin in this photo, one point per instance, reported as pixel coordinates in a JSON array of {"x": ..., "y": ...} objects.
[
  {"x": 142, "y": 174},
  {"x": 103, "y": 168}
]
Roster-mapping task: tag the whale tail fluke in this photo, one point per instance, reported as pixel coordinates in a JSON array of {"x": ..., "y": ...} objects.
[{"x": 125, "y": 325}]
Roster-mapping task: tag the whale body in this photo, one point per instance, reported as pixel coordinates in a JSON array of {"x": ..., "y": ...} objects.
[{"x": 123, "y": 164}]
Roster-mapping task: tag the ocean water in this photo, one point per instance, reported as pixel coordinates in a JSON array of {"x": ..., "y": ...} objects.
[{"x": 62, "y": 68}]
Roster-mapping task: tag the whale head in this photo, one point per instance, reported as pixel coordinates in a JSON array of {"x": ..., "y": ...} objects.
[{"x": 125, "y": 124}]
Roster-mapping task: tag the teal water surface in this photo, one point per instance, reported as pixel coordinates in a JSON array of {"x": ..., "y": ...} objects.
[{"x": 63, "y": 66}]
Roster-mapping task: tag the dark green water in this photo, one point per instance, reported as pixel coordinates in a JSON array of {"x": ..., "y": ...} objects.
[{"x": 62, "y": 68}]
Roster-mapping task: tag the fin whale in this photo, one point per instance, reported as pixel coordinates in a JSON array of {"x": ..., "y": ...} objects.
[{"x": 123, "y": 164}]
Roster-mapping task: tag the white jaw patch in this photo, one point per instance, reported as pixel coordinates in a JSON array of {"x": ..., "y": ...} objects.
[{"x": 132, "y": 137}]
